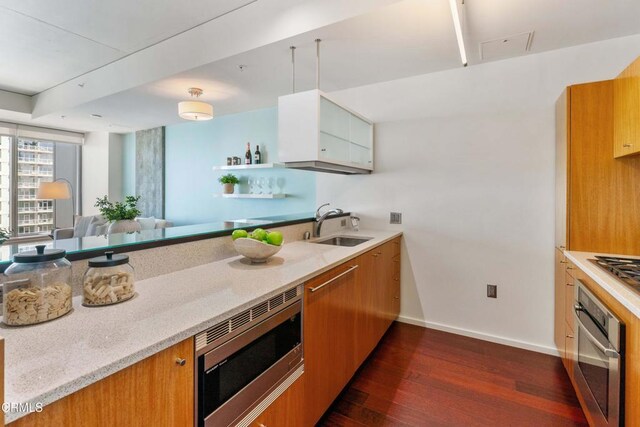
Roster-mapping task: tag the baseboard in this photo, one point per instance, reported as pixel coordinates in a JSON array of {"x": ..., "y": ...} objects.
[{"x": 480, "y": 335}]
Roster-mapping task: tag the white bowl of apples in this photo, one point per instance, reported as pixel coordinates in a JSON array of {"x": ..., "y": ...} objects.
[{"x": 259, "y": 245}]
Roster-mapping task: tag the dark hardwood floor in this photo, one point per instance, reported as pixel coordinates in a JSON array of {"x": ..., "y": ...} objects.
[{"x": 423, "y": 377}]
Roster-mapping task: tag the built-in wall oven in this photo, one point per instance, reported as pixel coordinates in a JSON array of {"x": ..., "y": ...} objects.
[
  {"x": 599, "y": 364},
  {"x": 245, "y": 362}
]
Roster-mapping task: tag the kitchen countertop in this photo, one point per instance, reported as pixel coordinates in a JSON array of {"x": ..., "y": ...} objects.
[
  {"x": 617, "y": 289},
  {"x": 49, "y": 361}
]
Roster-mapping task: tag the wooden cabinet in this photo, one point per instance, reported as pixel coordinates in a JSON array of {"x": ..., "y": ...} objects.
[
  {"x": 626, "y": 111},
  {"x": 286, "y": 410},
  {"x": 559, "y": 302},
  {"x": 156, "y": 391},
  {"x": 312, "y": 127},
  {"x": 598, "y": 197},
  {"x": 563, "y": 314},
  {"x": 351, "y": 308},
  {"x": 1, "y": 378},
  {"x": 329, "y": 348}
]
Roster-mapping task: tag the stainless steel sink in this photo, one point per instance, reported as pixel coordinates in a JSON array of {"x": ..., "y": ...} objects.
[{"x": 343, "y": 241}]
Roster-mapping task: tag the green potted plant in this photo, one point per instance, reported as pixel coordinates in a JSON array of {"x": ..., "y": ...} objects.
[
  {"x": 121, "y": 215},
  {"x": 228, "y": 182},
  {"x": 5, "y": 234}
]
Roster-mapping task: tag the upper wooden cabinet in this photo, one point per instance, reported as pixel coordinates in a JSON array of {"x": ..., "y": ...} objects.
[
  {"x": 315, "y": 132},
  {"x": 598, "y": 197},
  {"x": 626, "y": 108}
]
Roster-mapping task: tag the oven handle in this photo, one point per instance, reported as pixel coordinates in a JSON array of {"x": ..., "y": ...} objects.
[{"x": 609, "y": 352}]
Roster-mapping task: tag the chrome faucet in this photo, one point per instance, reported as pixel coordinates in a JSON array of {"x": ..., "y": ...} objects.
[{"x": 321, "y": 217}]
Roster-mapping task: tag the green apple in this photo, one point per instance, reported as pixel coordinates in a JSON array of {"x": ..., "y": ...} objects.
[
  {"x": 259, "y": 234},
  {"x": 237, "y": 234},
  {"x": 275, "y": 238}
]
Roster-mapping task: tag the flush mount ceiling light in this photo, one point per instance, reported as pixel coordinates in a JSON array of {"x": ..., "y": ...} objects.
[
  {"x": 455, "y": 14},
  {"x": 195, "y": 110}
]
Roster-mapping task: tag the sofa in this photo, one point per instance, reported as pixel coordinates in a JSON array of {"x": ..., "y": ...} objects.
[{"x": 97, "y": 225}]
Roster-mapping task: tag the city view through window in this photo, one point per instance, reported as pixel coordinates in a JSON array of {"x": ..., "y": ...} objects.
[{"x": 34, "y": 163}]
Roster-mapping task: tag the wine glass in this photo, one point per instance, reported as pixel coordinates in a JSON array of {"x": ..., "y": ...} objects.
[
  {"x": 269, "y": 182},
  {"x": 252, "y": 184},
  {"x": 260, "y": 183}
]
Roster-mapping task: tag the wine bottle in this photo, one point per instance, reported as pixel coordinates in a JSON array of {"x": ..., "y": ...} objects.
[
  {"x": 257, "y": 156},
  {"x": 247, "y": 155}
]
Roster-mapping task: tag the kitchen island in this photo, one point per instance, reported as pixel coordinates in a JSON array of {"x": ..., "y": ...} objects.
[{"x": 49, "y": 361}]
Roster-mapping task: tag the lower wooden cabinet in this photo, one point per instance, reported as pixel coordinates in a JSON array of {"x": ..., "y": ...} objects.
[
  {"x": 157, "y": 391},
  {"x": 563, "y": 314},
  {"x": 286, "y": 410},
  {"x": 346, "y": 312}
]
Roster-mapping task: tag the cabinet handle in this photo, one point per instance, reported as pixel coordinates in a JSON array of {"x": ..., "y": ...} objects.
[
  {"x": 569, "y": 336},
  {"x": 569, "y": 267},
  {"x": 569, "y": 284},
  {"x": 353, "y": 267},
  {"x": 396, "y": 279},
  {"x": 563, "y": 247},
  {"x": 563, "y": 262},
  {"x": 180, "y": 361},
  {"x": 396, "y": 297},
  {"x": 627, "y": 145}
]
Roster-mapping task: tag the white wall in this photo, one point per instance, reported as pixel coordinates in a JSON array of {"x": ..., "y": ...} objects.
[
  {"x": 467, "y": 156},
  {"x": 95, "y": 170},
  {"x": 101, "y": 169}
]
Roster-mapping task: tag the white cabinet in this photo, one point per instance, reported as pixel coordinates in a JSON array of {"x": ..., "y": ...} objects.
[{"x": 313, "y": 129}]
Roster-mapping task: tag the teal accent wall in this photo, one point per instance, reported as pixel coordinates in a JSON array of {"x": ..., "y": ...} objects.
[
  {"x": 129, "y": 164},
  {"x": 193, "y": 148}
]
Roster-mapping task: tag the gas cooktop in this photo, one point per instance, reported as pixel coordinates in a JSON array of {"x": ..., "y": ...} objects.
[{"x": 625, "y": 269}]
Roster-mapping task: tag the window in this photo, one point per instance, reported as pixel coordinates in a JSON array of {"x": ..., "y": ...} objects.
[{"x": 25, "y": 162}]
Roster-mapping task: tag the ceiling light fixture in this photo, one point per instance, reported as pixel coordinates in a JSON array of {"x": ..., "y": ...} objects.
[
  {"x": 455, "y": 14},
  {"x": 195, "y": 110}
]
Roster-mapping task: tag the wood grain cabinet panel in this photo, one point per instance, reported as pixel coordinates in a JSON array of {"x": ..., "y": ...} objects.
[
  {"x": 156, "y": 391},
  {"x": 601, "y": 200},
  {"x": 626, "y": 111},
  {"x": 329, "y": 347},
  {"x": 345, "y": 320},
  {"x": 286, "y": 410},
  {"x": 559, "y": 303}
]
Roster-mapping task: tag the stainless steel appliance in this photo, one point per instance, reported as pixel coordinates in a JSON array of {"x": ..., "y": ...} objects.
[
  {"x": 599, "y": 365},
  {"x": 244, "y": 363},
  {"x": 627, "y": 270}
]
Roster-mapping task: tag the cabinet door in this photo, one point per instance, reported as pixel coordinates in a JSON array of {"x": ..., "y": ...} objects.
[
  {"x": 361, "y": 139},
  {"x": 626, "y": 111},
  {"x": 562, "y": 117},
  {"x": 156, "y": 391},
  {"x": 396, "y": 268},
  {"x": 287, "y": 410},
  {"x": 367, "y": 324},
  {"x": 334, "y": 120},
  {"x": 329, "y": 345},
  {"x": 559, "y": 302}
]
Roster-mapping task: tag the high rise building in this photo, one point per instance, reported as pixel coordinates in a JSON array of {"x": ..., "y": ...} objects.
[{"x": 35, "y": 165}]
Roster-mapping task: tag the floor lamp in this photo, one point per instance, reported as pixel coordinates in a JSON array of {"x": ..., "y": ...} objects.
[{"x": 60, "y": 189}]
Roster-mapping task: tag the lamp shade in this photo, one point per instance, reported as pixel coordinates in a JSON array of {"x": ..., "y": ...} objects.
[
  {"x": 53, "y": 190},
  {"x": 195, "y": 110}
]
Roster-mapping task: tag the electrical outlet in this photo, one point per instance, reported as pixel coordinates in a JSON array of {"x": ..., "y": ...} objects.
[
  {"x": 492, "y": 291},
  {"x": 395, "y": 218}
]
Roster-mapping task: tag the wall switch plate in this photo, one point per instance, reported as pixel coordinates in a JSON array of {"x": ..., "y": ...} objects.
[
  {"x": 343, "y": 223},
  {"x": 492, "y": 291},
  {"x": 395, "y": 218}
]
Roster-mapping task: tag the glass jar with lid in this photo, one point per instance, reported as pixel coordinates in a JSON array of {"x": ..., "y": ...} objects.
[
  {"x": 37, "y": 287},
  {"x": 108, "y": 280}
]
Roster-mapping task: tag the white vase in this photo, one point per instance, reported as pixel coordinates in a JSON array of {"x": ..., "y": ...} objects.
[{"x": 124, "y": 226}]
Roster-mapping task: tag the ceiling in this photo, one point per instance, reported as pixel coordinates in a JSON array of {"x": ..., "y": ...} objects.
[
  {"x": 68, "y": 38},
  {"x": 381, "y": 41}
]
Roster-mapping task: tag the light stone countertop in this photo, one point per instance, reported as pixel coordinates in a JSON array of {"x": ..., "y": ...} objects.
[
  {"x": 46, "y": 362},
  {"x": 614, "y": 286}
]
